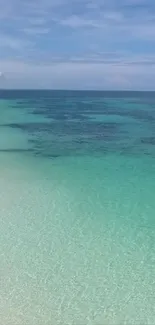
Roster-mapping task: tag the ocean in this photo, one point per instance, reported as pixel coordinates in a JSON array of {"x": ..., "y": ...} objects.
[{"x": 77, "y": 207}]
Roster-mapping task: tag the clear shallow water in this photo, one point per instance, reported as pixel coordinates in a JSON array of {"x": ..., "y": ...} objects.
[{"x": 77, "y": 225}]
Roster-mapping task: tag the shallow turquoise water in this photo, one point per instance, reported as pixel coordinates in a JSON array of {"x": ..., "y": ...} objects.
[{"x": 77, "y": 225}]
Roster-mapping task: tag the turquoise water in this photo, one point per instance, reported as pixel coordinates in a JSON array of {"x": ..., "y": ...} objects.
[{"x": 77, "y": 202}]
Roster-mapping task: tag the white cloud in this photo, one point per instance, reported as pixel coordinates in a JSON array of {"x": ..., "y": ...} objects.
[
  {"x": 77, "y": 22},
  {"x": 37, "y": 21},
  {"x": 36, "y": 30},
  {"x": 12, "y": 42},
  {"x": 1, "y": 75}
]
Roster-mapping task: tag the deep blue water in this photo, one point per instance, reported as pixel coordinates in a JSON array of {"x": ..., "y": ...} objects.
[{"x": 85, "y": 122}]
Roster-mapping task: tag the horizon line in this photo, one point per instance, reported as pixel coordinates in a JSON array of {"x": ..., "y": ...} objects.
[{"x": 75, "y": 90}]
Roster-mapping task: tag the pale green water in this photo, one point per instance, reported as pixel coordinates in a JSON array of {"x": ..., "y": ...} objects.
[{"x": 77, "y": 242}]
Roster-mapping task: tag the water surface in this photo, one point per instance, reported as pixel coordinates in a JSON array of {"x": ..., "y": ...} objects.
[{"x": 77, "y": 225}]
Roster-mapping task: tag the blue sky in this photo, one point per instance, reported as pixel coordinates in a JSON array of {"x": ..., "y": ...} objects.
[{"x": 77, "y": 44}]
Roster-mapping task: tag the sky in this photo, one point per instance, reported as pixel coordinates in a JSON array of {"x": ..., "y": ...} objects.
[{"x": 77, "y": 44}]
